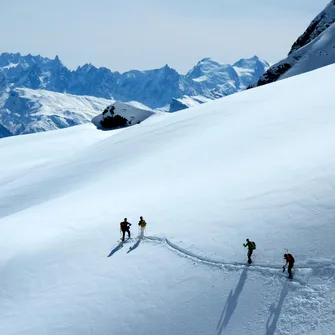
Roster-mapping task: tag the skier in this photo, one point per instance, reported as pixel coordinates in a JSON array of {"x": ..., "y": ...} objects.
[
  {"x": 125, "y": 226},
  {"x": 251, "y": 247},
  {"x": 290, "y": 261},
  {"x": 142, "y": 224}
]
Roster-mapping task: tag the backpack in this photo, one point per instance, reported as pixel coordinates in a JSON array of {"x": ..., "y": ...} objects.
[
  {"x": 291, "y": 257},
  {"x": 123, "y": 225},
  {"x": 253, "y": 245},
  {"x": 142, "y": 223}
]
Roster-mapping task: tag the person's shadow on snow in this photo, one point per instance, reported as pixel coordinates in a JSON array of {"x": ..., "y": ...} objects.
[
  {"x": 117, "y": 248},
  {"x": 134, "y": 246},
  {"x": 231, "y": 303},
  {"x": 275, "y": 312}
]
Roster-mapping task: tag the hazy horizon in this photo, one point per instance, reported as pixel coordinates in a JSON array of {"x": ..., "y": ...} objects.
[{"x": 124, "y": 34}]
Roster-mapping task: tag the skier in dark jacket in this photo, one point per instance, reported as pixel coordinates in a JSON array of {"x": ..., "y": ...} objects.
[
  {"x": 125, "y": 226},
  {"x": 290, "y": 261},
  {"x": 251, "y": 247}
]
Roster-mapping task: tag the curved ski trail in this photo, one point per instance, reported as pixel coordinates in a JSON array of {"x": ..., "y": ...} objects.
[{"x": 231, "y": 265}]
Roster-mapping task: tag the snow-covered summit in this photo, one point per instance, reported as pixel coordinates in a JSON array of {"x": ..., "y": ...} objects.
[
  {"x": 223, "y": 79},
  {"x": 315, "y": 48},
  {"x": 204, "y": 67}
]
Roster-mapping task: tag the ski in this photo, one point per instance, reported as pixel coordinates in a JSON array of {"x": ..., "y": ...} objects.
[{"x": 126, "y": 240}]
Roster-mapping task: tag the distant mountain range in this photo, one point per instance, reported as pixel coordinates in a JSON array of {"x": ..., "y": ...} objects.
[
  {"x": 154, "y": 88},
  {"x": 315, "y": 48},
  {"x": 26, "y": 106}
]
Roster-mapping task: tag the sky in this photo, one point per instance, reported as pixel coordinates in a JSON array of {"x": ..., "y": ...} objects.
[{"x": 146, "y": 34}]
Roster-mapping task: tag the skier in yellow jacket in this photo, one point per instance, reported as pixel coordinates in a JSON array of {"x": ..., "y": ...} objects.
[{"x": 142, "y": 224}]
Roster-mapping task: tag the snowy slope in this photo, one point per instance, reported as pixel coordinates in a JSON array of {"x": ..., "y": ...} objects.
[
  {"x": 315, "y": 48},
  {"x": 28, "y": 111},
  {"x": 253, "y": 165}
]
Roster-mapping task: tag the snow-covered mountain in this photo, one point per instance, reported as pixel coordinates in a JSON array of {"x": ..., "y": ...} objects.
[
  {"x": 224, "y": 79},
  {"x": 24, "y": 111},
  {"x": 218, "y": 80},
  {"x": 315, "y": 48},
  {"x": 154, "y": 88},
  {"x": 258, "y": 164},
  {"x": 27, "y": 111}
]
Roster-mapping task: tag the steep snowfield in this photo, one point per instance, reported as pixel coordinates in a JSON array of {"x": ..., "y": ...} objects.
[
  {"x": 257, "y": 164},
  {"x": 321, "y": 22},
  {"x": 315, "y": 48},
  {"x": 318, "y": 53}
]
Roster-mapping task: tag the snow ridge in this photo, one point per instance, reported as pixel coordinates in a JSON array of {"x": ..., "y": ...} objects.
[
  {"x": 315, "y": 48},
  {"x": 324, "y": 20}
]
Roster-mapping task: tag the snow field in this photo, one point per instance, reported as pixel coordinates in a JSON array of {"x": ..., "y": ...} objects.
[{"x": 258, "y": 164}]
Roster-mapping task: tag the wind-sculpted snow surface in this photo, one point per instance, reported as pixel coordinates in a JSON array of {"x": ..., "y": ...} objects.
[{"x": 258, "y": 165}]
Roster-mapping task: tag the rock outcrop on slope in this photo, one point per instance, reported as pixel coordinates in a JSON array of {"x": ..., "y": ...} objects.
[{"x": 120, "y": 114}]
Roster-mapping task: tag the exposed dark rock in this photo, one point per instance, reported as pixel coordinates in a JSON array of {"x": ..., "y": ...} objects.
[
  {"x": 273, "y": 74},
  {"x": 114, "y": 121},
  {"x": 324, "y": 20}
]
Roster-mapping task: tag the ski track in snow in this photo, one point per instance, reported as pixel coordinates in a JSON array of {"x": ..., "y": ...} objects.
[{"x": 326, "y": 268}]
